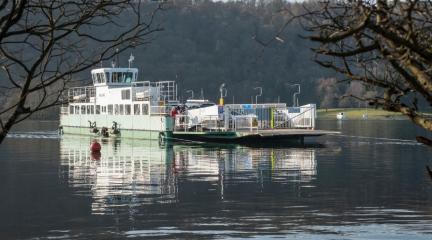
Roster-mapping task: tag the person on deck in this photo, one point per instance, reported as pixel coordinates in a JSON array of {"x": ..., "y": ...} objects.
[{"x": 174, "y": 112}]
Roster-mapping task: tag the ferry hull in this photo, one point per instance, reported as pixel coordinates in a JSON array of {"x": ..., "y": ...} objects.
[
  {"x": 140, "y": 127},
  {"x": 124, "y": 133},
  {"x": 258, "y": 136}
]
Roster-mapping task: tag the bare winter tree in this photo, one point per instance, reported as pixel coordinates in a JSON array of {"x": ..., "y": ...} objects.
[
  {"x": 328, "y": 92},
  {"x": 43, "y": 44},
  {"x": 384, "y": 44}
]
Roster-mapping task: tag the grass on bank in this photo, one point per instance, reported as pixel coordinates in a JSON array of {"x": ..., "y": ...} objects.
[{"x": 357, "y": 113}]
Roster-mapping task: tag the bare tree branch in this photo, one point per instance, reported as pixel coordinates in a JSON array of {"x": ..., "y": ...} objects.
[{"x": 44, "y": 44}]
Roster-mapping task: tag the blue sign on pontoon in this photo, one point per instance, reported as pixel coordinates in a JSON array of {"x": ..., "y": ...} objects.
[{"x": 247, "y": 106}]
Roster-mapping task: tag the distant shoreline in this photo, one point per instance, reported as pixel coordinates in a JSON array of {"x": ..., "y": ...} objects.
[{"x": 359, "y": 114}]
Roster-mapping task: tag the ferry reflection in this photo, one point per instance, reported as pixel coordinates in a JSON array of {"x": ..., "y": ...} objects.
[
  {"x": 124, "y": 173},
  {"x": 133, "y": 172},
  {"x": 294, "y": 163}
]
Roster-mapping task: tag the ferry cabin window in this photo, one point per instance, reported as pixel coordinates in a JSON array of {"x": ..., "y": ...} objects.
[
  {"x": 88, "y": 110},
  {"x": 99, "y": 78},
  {"x": 77, "y": 109},
  {"x": 137, "y": 109},
  {"x": 127, "y": 77},
  {"x": 125, "y": 94},
  {"x": 122, "y": 77},
  {"x": 110, "y": 109},
  {"x": 104, "y": 109},
  {"x": 92, "y": 109},
  {"x": 83, "y": 109},
  {"x": 121, "y": 109},
  {"x": 127, "y": 109},
  {"x": 71, "y": 109},
  {"x": 145, "y": 109},
  {"x": 116, "y": 109},
  {"x": 107, "y": 77},
  {"x": 115, "y": 77},
  {"x": 98, "y": 108}
]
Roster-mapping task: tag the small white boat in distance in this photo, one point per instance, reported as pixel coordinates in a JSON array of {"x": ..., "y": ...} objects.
[{"x": 341, "y": 116}]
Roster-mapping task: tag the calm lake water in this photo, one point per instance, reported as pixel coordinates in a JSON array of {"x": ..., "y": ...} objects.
[{"x": 368, "y": 183}]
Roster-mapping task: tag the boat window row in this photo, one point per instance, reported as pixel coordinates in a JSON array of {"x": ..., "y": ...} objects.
[
  {"x": 113, "y": 77},
  {"x": 110, "y": 109}
]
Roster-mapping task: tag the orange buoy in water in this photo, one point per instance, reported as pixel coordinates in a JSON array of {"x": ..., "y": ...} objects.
[{"x": 95, "y": 147}]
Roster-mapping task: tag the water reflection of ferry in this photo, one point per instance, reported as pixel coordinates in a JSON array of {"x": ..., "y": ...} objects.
[
  {"x": 135, "y": 172},
  {"x": 296, "y": 163},
  {"x": 125, "y": 172}
]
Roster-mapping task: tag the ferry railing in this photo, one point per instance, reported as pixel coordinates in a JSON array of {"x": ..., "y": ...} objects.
[
  {"x": 256, "y": 106},
  {"x": 275, "y": 115},
  {"x": 141, "y": 90},
  {"x": 159, "y": 110},
  {"x": 82, "y": 94},
  {"x": 263, "y": 112},
  {"x": 207, "y": 124},
  {"x": 245, "y": 122},
  {"x": 181, "y": 122},
  {"x": 252, "y": 119},
  {"x": 166, "y": 90},
  {"x": 305, "y": 118},
  {"x": 142, "y": 95}
]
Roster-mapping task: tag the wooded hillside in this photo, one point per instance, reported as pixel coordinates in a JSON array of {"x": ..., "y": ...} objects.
[{"x": 205, "y": 44}]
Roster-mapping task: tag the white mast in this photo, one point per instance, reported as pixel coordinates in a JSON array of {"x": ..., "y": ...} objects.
[{"x": 131, "y": 59}]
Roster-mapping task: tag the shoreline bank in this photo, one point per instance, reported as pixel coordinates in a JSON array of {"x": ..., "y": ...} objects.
[{"x": 359, "y": 114}]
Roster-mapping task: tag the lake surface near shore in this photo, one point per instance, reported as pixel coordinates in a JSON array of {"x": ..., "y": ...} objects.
[{"x": 367, "y": 183}]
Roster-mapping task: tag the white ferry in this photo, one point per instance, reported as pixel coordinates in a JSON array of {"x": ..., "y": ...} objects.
[{"x": 118, "y": 104}]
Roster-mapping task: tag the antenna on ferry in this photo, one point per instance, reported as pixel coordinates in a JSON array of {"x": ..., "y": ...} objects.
[
  {"x": 117, "y": 55},
  {"x": 131, "y": 59}
]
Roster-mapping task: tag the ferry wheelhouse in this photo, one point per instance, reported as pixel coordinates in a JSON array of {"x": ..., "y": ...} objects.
[{"x": 118, "y": 104}]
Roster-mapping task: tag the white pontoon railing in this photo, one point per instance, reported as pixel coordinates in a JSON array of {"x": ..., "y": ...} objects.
[
  {"x": 296, "y": 117},
  {"x": 245, "y": 122},
  {"x": 277, "y": 115},
  {"x": 207, "y": 124},
  {"x": 251, "y": 117}
]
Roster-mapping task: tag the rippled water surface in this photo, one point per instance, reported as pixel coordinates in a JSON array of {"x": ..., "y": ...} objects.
[{"x": 367, "y": 183}]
